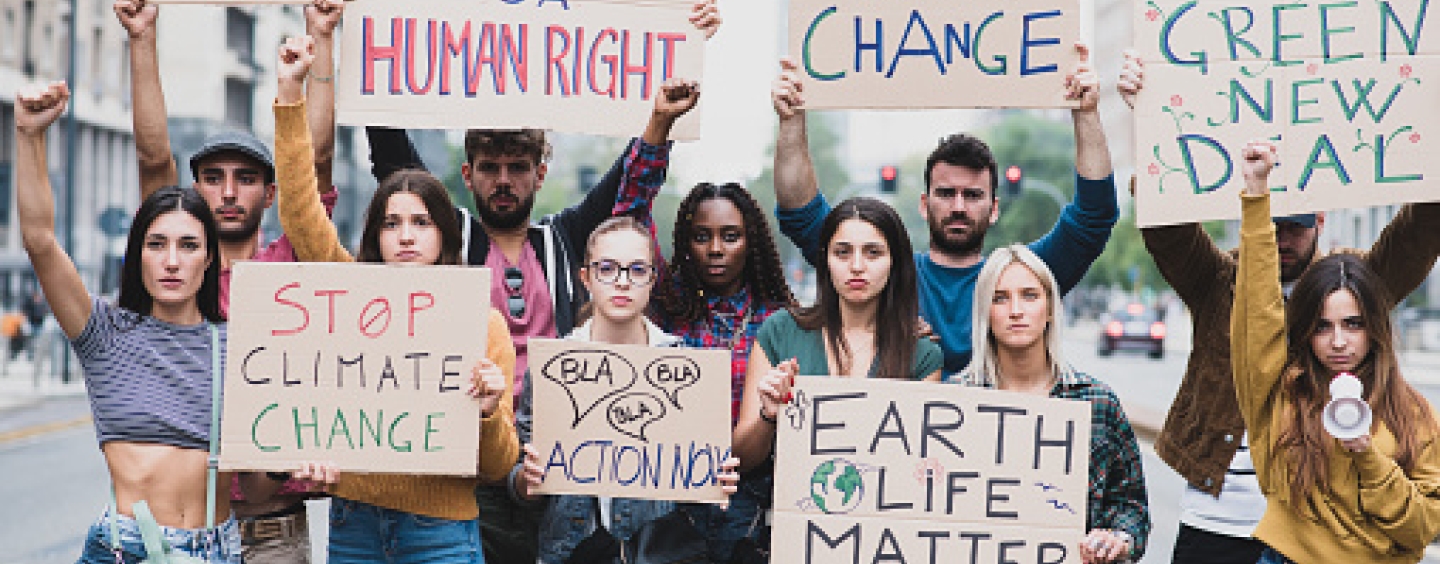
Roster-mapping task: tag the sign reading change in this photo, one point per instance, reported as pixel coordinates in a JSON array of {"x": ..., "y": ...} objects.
[
  {"x": 629, "y": 420},
  {"x": 875, "y": 470},
  {"x": 362, "y": 365},
  {"x": 584, "y": 66},
  {"x": 1348, "y": 90},
  {"x": 934, "y": 53}
]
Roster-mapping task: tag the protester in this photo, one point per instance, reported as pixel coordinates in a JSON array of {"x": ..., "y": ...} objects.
[
  {"x": 1366, "y": 499},
  {"x": 390, "y": 517},
  {"x": 722, "y": 282},
  {"x": 867, "y": 271},
  {"x": 1017, "y": 314},
  {"x": 149, "y": 360},
  {"x": 1204, "y": 438},
  {"x": 960, "y": 204},
  {"x": 620, "y": 268},
  {"x": 235, "y": 173}
]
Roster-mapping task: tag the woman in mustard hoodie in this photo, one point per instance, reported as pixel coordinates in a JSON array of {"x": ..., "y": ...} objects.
[{"x": 1375, "y": 498}]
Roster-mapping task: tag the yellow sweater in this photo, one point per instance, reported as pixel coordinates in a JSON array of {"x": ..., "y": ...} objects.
[
  {"x": 1372, "y": 511},
  {"x": 313, "y": 235}
]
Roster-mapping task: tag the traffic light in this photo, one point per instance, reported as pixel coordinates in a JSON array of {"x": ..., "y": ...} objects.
[
  {"x": 1013, "y": 175},
  {"x": 889, "y": 179}
]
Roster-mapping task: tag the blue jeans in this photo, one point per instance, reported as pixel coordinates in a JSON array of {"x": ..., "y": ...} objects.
[
  {"x": 220, "y": 545},
  {"x": 364, "y": 533},
  {"x": 1272, "y": 557},
  {"x": 744, "y": 518}
]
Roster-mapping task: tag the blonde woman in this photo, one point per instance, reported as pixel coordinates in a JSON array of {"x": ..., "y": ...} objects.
[{"x": 1017, "y": 312}]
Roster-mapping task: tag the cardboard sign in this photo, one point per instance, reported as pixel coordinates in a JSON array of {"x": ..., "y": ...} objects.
[
  {"x": 1345, "y": 88},
  {"x": 234, "y": 2},
  {"x": 883, "y": 470},
  {"x": 934, "y": 53},
  {"x": 631, "y": 421},
  {"x": 584, "y": 66},
  {"x": 360, "y": 364}
]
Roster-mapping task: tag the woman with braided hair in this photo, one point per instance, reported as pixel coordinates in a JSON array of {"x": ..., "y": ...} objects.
[{"x": 723, "y": 280}]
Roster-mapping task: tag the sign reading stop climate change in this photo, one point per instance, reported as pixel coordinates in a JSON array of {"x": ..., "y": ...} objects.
[
  {"x": 934, "y": 53},
  {"x": 631, "y": 421},
  {"x": 586, "y": 66},
  {"x": 362, "y": 365},
  {"x": 880, "y": 470},
  {"x": 1348, "y": 90}
]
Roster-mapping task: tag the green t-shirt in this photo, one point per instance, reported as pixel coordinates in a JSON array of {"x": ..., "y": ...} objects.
[{"x": 781, "y": 338}]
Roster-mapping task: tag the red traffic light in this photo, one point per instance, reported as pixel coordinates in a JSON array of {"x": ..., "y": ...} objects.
[
  {"x": 1013, "y": 174},
  {"x": 888, "y": 173}
]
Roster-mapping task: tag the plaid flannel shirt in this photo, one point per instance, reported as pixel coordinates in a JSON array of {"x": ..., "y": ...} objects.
[{"x": 1117, "y": 499}]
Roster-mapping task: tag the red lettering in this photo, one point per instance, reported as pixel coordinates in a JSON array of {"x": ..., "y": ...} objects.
[
  {"x": 431, "y": 51},
  {"x": 372, "y": 53},
  {"x": 577, "y": 67},
  {"x": 628, "y": 69},
  {"x": 454, "y": 46},
  {"x": 555, "y": 64},
  {"x": 611, "y": 61},
  {"x": 415, "y": 306},
  {"x": 667, "y": 62},
  {"x": 484, "y": 55},
  {"x": 519, "y": 61},
  {"x": 330, "y": 295},
  {"x": 369, "y": 319},
  {"x": 305, "y": 313}
]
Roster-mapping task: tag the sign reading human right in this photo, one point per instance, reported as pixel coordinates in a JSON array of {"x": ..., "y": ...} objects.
[
  {"x": 1348, "y": 89},
  {"x": 873, "y": 470}
]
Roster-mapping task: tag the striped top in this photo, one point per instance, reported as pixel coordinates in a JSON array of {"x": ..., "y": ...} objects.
[{"x": 148, "y": 380}]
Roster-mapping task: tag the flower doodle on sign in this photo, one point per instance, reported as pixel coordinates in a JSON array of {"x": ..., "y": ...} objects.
[
  {"x": 928, "y": 469},
  {"x": 795, "y": 411}
]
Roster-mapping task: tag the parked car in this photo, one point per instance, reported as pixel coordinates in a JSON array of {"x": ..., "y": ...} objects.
[{"x": 1136, "y": 327}]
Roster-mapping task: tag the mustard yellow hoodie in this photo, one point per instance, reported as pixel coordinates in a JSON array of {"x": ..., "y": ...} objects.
[{"x": 1371, "y": 510}]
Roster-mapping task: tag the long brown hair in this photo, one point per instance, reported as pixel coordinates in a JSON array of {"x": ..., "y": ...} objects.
[
  {"x": 1306, "y": 381},
  {"x": 437, "y": 201},
  {"x": 899, "y": 308}
]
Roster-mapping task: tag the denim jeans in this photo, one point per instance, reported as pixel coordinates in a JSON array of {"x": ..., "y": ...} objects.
[
  {"x": 744, "y": 518},
  {"x": 220, "y": 545},
  {"x": 364, "y": 533},
  {"x": 1272, "y": 557}
]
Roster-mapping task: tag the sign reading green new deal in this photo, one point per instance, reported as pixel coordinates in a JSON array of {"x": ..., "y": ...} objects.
[
  {"x": 1348, "y": 89},
  {"x": 362, "y": 365},
  {"x": 934, "y": 53}
]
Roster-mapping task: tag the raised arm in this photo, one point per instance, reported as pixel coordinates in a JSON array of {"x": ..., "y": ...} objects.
[
  {"x": 799, "y": 207},
  {"x": 69, "y": 300},
  {"x": 302, "y": 215},
  {"x": 1257, "y": 322},
  {"x": 1092, "y": 152},
  {"x": 147, "y": 98},
  {"x": 321, "y": 19}
]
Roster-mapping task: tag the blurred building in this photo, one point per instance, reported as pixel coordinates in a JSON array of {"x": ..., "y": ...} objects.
[{"x": 217, "y": 65}]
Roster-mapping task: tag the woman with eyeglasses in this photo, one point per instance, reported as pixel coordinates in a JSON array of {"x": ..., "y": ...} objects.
[
  {"x": 722, "y": 282},
  {"x": 862, "y": 326},
  {"x": 410, "y": 221},
  {"x": 618, "y": 274}
]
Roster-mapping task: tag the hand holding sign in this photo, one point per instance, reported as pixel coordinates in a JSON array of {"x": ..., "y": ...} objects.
[
  {"x": 296, "y": 56},
  {"x": 774, "y": 388},
  {"x": 487, "y": 384},
  {"x": 706, "y": 17},
  {"x": 318, "y": 476},
  {"x": 1083, "y": 84},
  {"x": 322, "y": 17},
  {"x": 1103, "y": 546},
  {"x": 787, "y": 92},
  {"x": 137, "y": 17},
  {"x": 1132, "y": 79}
]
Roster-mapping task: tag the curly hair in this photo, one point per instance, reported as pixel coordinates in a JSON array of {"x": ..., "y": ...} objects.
[{"x": 683, "y": 298}]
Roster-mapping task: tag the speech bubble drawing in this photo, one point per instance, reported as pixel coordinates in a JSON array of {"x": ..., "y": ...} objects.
[
  {"x": 589, "y": 377},
  {"x": 631, "y": 413},
  {"x": 670, "y": 374}
]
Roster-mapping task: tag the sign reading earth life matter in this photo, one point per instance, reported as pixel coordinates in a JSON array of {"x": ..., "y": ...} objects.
[
  {"x": 1348, "y": 90},
  {"x": 871, "y": 470}
]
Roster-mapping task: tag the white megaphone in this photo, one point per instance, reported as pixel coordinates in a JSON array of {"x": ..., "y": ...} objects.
[{"x": 1347, "y": 416}]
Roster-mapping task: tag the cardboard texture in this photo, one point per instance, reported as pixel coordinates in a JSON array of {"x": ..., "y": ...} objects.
[
  {"x": 934, "y": 53},
  {"x": 629, "y": 420},
  {"x": 1344, "y": 88},
  {"x": 360, "y": 364},
  {"x": 922, "y": 472},
  {"x": 590, "y": 66},
  {"x": 234, "y": 2}
]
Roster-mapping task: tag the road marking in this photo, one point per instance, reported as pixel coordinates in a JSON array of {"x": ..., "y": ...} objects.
[{"x": 42, "y": 429}]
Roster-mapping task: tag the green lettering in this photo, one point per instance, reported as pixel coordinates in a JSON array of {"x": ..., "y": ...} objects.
[
  {"x": 340, "y": 427},
  {"x": 255, "y": 429},
  {"x": 1332, "y": 161},
  {"x": 1281, "y": 37},
  {"x": 314, "y": 426},
  {"x": 1265, "y": 111},
  {"x": 1326, "y": 31},
  {"x": 430, "y": 429},
  {"x": 371, "y": 428},
  {"x": 391, "y": 436},
  {"x": 979, "y": 32},
  {"x": 1297, "y": 102},
  {"x": 1412, "y": 41}
]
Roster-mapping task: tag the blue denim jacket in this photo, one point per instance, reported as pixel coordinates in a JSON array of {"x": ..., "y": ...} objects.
[{"x": 568, "y": 519}]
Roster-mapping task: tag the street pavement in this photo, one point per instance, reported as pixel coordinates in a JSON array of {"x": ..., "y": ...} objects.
[{"x": 56, "y": 484}]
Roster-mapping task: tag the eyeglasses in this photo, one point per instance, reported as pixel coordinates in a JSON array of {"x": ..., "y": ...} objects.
[
  {"x": 514, "y": 280},
  {"x": 608, "y": 272}
]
